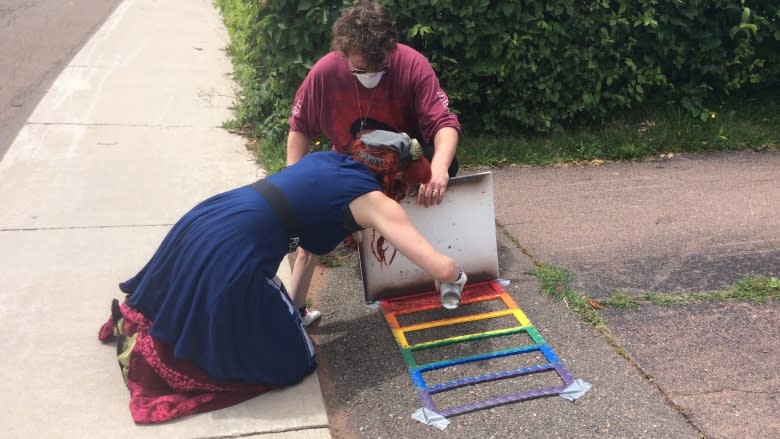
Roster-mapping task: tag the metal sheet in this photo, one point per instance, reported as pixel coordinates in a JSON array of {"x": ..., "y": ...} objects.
[{"x": 462, "y": 227}]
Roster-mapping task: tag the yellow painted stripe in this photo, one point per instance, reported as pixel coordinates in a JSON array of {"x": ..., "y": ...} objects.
[
  {"x": 400, "y": 338},
  {"x": 457, "y": 320},
  {"x": 456, "y": 339}
]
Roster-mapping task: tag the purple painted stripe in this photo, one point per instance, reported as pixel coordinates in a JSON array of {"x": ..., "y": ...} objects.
[
  {"x": 493, "y": 376},
  {"x": 564, "y": 373},
  {"x": 501, "y": 400},
  {"x": 427, "y": 402}
]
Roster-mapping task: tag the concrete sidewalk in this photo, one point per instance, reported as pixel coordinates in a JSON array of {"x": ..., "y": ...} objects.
[{"x": 127, "y": 139}]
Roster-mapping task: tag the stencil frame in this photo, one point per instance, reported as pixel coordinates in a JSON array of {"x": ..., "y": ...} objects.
[
  {"x": 462, "y": 227},
  {"x": 473, "y": 293}
]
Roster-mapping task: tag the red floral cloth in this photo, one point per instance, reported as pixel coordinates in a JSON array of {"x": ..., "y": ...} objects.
[{"x": 162, "y": 387}]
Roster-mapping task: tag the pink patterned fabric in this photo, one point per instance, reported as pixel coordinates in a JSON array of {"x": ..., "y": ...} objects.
[{"x": 162, "y": 387}]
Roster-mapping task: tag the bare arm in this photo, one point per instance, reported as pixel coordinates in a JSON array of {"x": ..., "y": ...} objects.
[
  {"x": 445, "y": 143},
  {"x": 297, "y": 146},
  {"x": 387, "y": 217},
  {"x": 444, "y": 146},
  {"x": 305, "y": 262},
  {"x": 300, "y": 280}
]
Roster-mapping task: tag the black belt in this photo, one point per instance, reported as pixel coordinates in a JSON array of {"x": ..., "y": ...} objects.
[{"x": 281, "y": 206}]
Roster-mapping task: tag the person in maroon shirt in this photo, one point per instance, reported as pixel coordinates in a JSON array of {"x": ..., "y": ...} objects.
[{"x": 370, "y": 81}]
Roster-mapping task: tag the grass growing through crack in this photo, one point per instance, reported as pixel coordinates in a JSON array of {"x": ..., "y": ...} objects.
[
  {"x": 556, "y": 282},
  {"x": 621, "y": 300},
  {"x": 747, "y": 288}
]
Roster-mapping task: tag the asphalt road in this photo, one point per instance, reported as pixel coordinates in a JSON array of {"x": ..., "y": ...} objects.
[
  {"x": 37, "y": 40},
  {"x": 691, "y": 223}
]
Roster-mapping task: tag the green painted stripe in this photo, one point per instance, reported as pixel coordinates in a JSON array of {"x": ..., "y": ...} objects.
[{"x": 532, "y": 332}]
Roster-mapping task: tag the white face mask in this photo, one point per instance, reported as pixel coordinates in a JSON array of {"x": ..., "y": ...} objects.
[{"x": 369, "y": 80}]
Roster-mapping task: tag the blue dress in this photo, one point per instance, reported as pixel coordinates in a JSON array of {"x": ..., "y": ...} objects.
[{"x": 211, "y": 290}]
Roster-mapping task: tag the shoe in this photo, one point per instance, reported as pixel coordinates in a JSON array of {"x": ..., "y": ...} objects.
[{"x": 309, "y": 316}]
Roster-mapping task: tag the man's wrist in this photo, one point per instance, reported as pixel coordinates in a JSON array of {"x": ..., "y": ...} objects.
[{"x": 439, "y": 168}]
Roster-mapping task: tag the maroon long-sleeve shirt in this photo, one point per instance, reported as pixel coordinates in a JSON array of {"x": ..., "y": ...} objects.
[{"x": 331, "y": 101}]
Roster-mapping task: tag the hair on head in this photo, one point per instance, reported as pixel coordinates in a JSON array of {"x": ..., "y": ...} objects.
[
  {"x": 386, "y": 163},
  {"x": 366, "y": 28}
]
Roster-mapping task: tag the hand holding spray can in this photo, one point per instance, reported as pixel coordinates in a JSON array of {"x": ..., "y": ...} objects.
[{"x": 450, "y": 291}]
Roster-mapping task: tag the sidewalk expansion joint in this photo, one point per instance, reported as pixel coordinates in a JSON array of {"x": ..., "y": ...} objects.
[
  {"x": 126, "y": 125},
  {"x": 265, "y": 432},
  {"x": 728, "y": 389},
  {"x": 116, "y": 226}
]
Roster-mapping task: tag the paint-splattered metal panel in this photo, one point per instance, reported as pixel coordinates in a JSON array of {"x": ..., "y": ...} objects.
[{"x": 462, "y": 227}]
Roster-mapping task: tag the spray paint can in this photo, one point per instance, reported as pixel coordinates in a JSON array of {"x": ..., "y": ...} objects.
[{"x": 450, "y": 296}]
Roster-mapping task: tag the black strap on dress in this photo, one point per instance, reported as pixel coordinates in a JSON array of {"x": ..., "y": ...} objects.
[{"x": 281, "y": 206}]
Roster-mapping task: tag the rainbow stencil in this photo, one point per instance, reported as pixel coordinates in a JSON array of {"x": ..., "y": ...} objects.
[{"x": 393, "y": 308}]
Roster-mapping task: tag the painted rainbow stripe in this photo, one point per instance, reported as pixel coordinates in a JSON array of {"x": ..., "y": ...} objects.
[{"x": 473, "y": 293}]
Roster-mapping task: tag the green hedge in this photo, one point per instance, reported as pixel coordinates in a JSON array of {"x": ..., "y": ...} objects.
[{"x": 523, "y": 65}]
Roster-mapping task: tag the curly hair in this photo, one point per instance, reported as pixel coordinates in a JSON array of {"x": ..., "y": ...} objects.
[{"x": 366, "y": 28}]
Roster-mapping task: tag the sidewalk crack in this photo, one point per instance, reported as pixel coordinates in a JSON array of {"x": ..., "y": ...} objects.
[
  {"x": 130, "y": 125},
  {"x": 114, "y": 226},
  {"x": 267, "y": 432}
]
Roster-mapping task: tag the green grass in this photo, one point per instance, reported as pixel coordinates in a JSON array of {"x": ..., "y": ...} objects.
[
  {"x": 621, "y": 300},
  {"x": 556, "y": 282},
  {"x": 747, "y": 289},
  {"x": 651, "y": 132},
  {"x": 330, "y": 261},
  {"x": 654, "y": 131}
]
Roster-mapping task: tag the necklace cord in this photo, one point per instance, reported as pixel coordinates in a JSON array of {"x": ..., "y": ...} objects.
[{"x": 360, "y": 110}]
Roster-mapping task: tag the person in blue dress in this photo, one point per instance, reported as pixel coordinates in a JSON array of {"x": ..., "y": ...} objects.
[{"x": 208, "y": 306}]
